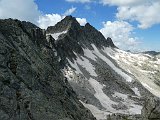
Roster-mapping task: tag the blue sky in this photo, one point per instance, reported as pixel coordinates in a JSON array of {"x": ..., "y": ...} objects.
[{"x": 132, "y": 24}]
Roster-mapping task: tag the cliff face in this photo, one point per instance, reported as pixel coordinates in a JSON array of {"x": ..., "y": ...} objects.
[{"x": 32, "y": 86}]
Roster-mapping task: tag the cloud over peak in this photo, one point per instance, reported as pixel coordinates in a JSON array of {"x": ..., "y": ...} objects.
[{"x": 52, "y": 19}]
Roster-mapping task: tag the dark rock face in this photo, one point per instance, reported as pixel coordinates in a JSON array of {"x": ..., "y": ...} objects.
[
  {"x": 63, "y": 25},
  {"x": 124, "y": 117},
  {"x": 76, "y": 37},
  {"x": 151, "y": 109},
  {"x": 32, "y": 86}
]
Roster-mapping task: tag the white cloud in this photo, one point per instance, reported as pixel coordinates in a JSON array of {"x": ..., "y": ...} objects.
[
  {"x": 146, "y": 12},
  {"x": 52, "y": 19},
  {"x": 79, "y": 1},
  {"x": 122, "y": 2},
  {"x": 121, "y": 33},
  {"x": 82, "y": 21},
  {"x": 70, "y": 11},
  {"x": 27, "y": 10},
  {"x": 49, "y": 20},
  {"x": 147, "y": 15},
  {"x": 20, "y": 9}
]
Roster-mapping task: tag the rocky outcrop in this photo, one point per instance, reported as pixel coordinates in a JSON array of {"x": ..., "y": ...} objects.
[
  {"x": 67, "y": 23},
  {"x": 32, "y": 86},
  {"x": 123, "y": 117},
  {"x": 76, "y": 37},
  {"x": 151, "y": 109}
]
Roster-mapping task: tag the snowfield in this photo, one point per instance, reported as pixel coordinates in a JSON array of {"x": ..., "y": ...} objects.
[
  {"x": 131, "y": 63},
  {"x": 142, "y": 66},
  {"x": 56, "y": 35}
]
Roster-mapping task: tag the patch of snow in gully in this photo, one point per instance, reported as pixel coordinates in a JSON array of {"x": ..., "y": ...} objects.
[
  {"x": 119, "y": 71},
  {"x": 56, "y": 35}
]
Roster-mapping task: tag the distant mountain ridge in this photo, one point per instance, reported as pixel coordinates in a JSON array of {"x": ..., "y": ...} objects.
[{"x": 151, "y": 52}]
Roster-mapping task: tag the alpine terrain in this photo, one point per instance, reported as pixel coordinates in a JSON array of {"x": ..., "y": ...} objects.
[{"x": 72, "y": 72}]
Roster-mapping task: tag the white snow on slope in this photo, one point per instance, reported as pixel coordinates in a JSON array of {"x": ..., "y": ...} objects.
[
  {"x": 56, "y": 35},
  {"x": 136, "y": 91},
  {"x": 99, "y": 114},
  {"x": 87, "y": 65},
  {"x": 75, "y": 66},
  {"x": 142, "y": 66},
  {"x": 133, "y": 108},
  {"x": 88, "y": 53},
  {"x": 105, "y": 101},
  {"x": 119, "y": 71}
]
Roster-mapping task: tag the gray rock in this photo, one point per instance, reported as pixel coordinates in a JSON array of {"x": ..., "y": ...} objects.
[
  {"x": 32, "y": 86},
  {"x": 151, "y": 109}
]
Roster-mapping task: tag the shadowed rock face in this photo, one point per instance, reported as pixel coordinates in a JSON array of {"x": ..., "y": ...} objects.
[
  {"x": 63, "y": 25},
  {"x": 32, "y": 86},
  {"x": 76, "y": 37}
]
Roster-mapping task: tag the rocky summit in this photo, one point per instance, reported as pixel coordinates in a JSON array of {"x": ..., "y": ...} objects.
[{"x": 72, "y": 72}]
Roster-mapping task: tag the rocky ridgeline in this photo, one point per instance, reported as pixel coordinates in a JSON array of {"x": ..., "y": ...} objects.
[
  {"x": 32, "y": 86},
  {"x": 76, "y": 37}
]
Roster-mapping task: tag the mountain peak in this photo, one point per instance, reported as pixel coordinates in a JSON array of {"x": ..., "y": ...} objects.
[
  {"x": 65, "y": 24},
  {"x": 69, "y": 18}
]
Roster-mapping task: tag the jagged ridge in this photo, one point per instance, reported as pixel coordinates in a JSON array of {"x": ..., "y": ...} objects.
[{"x": 32, "y": 86}]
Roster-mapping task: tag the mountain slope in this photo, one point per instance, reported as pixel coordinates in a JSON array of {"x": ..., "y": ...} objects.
[
  {"x": 69, "y": 71},
  {"x": 32, "y": 87},
  {"x": 101, "y": 83}
]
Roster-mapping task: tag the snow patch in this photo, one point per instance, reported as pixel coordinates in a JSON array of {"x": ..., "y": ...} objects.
[
  {"x": 136, "y": 91},
  {"x": 120, "y": 95},
  {"x": 75, "y": 66},
  {"x": 87, "y": 65},
  {"x": 99, "y": 114},
  {"x": 88, "y": 53},
  {"x": 105, "y": 101},
  {"x": 133, "y": 108},
  {"x": 119, "y": 71},
  {"x": 56, "y": 35}
]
